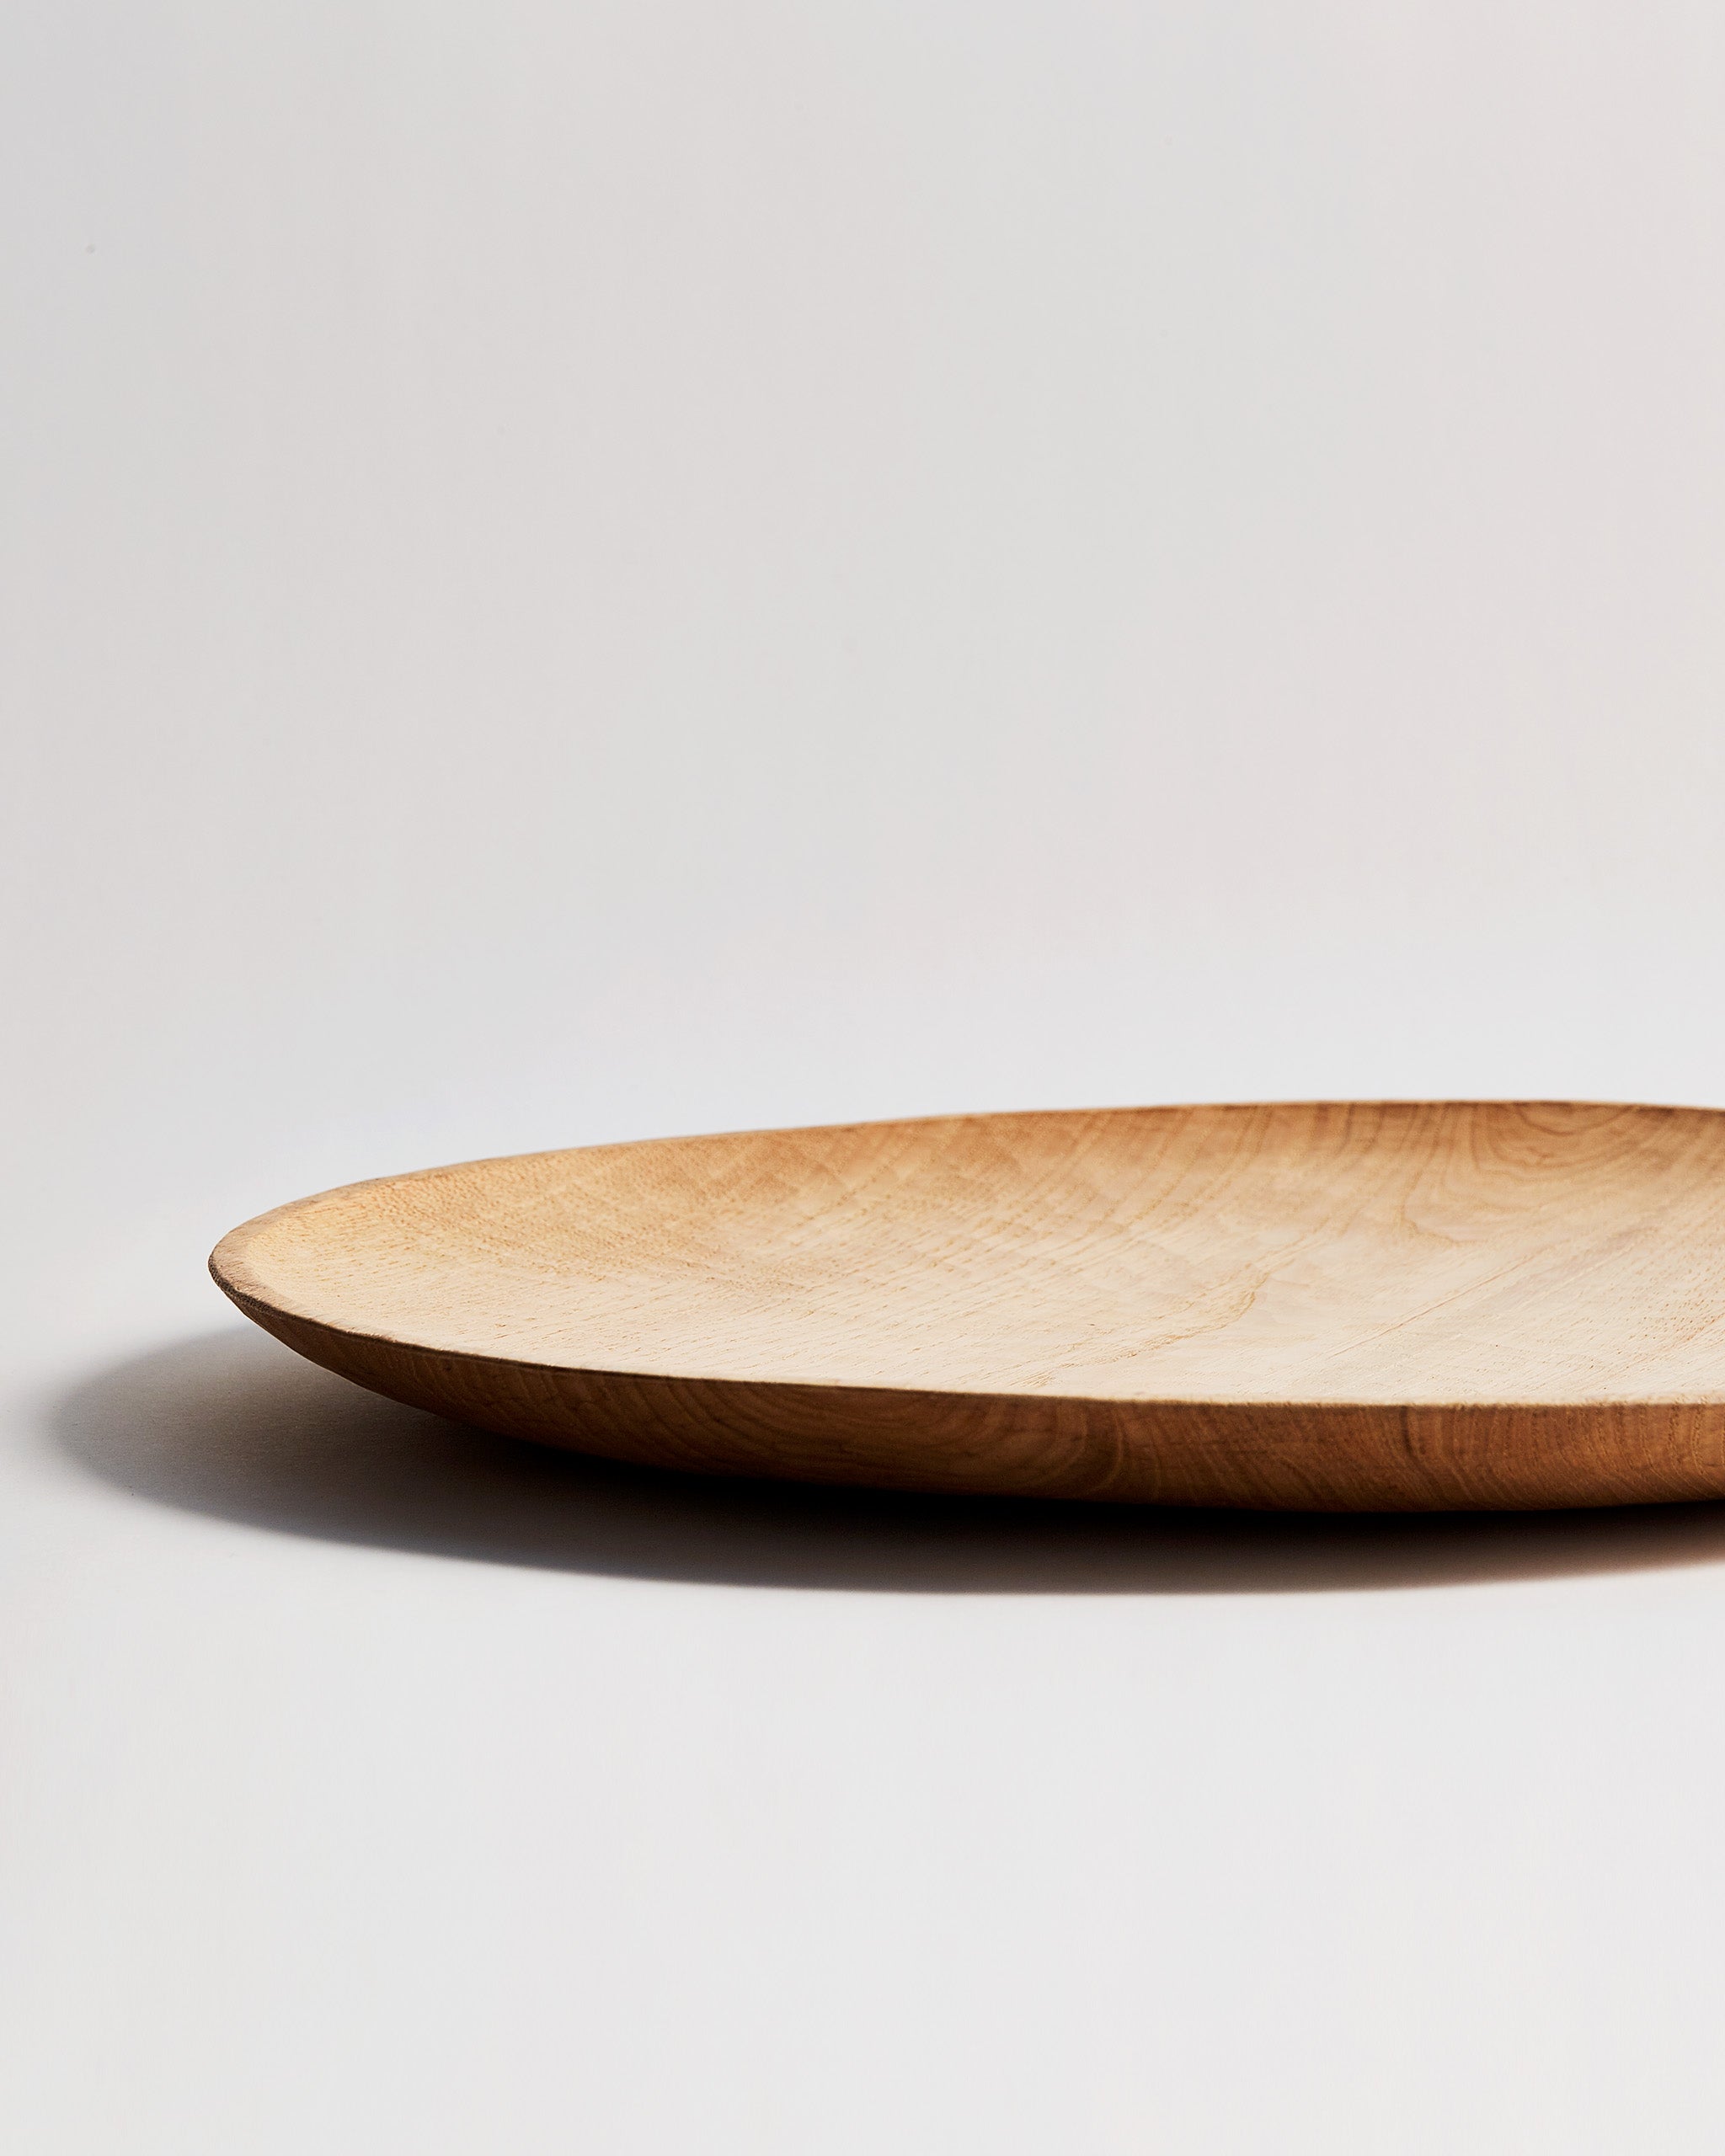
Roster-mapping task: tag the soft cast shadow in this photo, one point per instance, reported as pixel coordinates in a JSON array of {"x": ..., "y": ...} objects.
[{"x": 237, "y": 1427}]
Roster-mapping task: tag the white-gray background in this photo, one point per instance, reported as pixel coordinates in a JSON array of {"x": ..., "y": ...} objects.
[{"x": 582, "y": 571}]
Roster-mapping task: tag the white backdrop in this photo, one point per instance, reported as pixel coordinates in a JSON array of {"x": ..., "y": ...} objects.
[{"x": 580, "y": 572}]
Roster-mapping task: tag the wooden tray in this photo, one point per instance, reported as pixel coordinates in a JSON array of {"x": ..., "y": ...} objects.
[{"x": 1332, "y": 1306}]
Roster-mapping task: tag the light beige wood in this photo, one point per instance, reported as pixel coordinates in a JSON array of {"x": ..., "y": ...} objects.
[{"x": 1392, "y": 1306}]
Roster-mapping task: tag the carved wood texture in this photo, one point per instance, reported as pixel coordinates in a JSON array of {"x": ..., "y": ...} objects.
[{"x": 1324, "y": 1306}]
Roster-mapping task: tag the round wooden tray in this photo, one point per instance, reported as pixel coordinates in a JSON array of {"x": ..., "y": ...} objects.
[{"x": 1328, "y": 1307}]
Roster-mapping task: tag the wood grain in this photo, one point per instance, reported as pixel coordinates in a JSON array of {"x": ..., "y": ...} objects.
[{"x": 1330, "y": 1305}]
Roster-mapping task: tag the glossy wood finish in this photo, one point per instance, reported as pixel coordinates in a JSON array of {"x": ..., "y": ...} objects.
[{"x": 1326, "y": 1306}]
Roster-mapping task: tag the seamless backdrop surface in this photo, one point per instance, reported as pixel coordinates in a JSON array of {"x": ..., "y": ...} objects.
[{"x": 576, "y": 573}]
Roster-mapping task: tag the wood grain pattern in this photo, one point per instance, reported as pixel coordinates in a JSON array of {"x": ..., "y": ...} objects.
[{"x": 1333, "y": 1306}]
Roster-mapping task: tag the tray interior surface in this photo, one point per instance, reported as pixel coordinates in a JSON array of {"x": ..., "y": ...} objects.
[{"x": 1396, "y": 1252}]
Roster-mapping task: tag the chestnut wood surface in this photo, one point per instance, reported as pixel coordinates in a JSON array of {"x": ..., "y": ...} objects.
[{"x": 1326, "y": 1306}]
